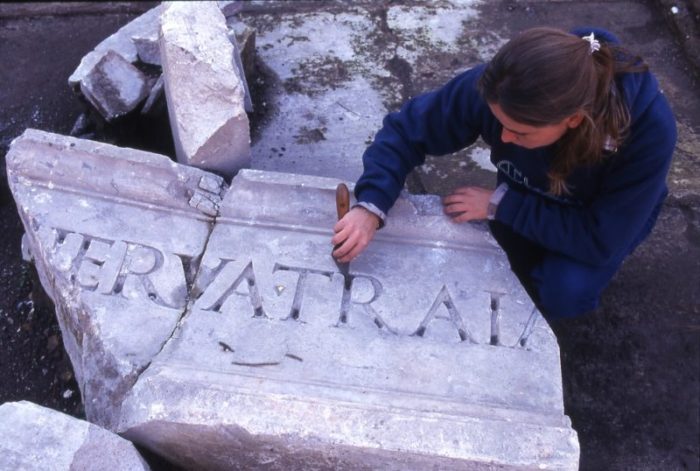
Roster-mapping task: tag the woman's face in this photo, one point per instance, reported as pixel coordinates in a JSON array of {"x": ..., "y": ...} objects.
[{"x": 531, "y": 137}]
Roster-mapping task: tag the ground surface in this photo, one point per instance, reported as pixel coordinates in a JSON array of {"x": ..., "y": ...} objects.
[{"x": 631, "y": 369}]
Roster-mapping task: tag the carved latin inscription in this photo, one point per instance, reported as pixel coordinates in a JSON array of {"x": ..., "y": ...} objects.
[
  {"x": 138, "y": 271},
  {"x": 230, "y": 274},
  {"x": 121, "y": 268},
  {"x": 230, "y": 269}
]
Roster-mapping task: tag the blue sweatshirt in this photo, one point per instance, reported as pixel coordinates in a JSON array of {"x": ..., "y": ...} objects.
[{"x": 612, "y": 205}]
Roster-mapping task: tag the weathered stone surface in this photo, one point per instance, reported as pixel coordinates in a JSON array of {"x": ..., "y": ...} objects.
[
  {"x": 427, "y": 356},
  {"x": 245, "y": 39},
  {"x": 120, "y": 42},
  {"x": 204, "y": 93},
  {"x": 114, "y": 86},
  {"x": 147, "y": 46},
  {"x": 240, "y": 71},
  {"x": 37, "y": 438},
  {"x": 230, "y": 8},
  {"x": 155, "y": 98},
  {"x": 116, "y": 235}
]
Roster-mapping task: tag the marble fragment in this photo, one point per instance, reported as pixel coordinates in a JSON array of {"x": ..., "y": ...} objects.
[
  {"x": 116, "y": 244},
  {"x": 204, "y": 92},
  {"x": 33, "y": 437},
  {"x": 114, "y": 87},
  {"x": 120, "y": 43}
]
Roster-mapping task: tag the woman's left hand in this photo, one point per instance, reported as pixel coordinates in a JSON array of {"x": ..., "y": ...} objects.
[{"x": 467, "y": 203}]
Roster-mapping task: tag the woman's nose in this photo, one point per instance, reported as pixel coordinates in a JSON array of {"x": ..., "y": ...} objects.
[{"x": 507, "y": 136}]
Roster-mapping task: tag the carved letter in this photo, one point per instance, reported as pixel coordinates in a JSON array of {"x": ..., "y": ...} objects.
[
  {"x": 301, "y": 281},
  {"x": 126, "y": 269},
  {"x": 496, "y": 317},
  {"x": 224, "y": 271},
  {"x": 444, "y": 297},
  {"x": 529, "y": 327},
  {"x": 347, "y": 300}
]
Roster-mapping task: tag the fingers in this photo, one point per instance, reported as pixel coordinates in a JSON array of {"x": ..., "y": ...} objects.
[
  {"x": 353, "y": 234},
  {"x": 350, "y": 247},
  {"x": 462, "y": 217},
  {"x": 467, "y": 203}
]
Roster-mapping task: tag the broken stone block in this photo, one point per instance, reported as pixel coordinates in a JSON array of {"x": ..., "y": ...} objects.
[
  {"x": 114, "y": 87},
  {"x": 120, "y": 43},
  {"x": 116, "y": 235},
  {"x": 147, "y": 47},
  {"x": 240, "y": 72},
  {"x": 427, "y": 355},
  {"x": 155, "y": 97},
  {"x": 245, "y": 40},
  {"x": 230, "y": 8},
  {"x": 35, "y": 437},
  {"x": 204, "y": 93}
]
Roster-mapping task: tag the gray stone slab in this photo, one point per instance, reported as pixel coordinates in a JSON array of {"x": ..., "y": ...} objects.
[
  {"x": 37, "y": 438},
  {"x": 120, "y": 42},
  {"x": 432, "y": 358},
  {"x": 116, "y": 235},
  {"x": 205, "y": 95},
  {"x": 114, "y": 87}
]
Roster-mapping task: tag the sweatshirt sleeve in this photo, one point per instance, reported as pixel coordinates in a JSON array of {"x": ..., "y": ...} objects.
[
  {"x": 436, "y": 123},
  {"x": 633, "y": 186}
]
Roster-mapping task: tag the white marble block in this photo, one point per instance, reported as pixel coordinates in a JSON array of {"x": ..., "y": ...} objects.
[
  {"x": 204, "y": 92},
  {"x": 116, "y": 235},
  {"x": 428, "y": 356}
]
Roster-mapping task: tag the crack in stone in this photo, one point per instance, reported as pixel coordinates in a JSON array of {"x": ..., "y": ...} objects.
[{"x": 192, "y": 295}]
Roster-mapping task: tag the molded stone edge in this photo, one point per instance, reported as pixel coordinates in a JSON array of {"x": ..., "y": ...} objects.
[{"x": 102, "y": 226}]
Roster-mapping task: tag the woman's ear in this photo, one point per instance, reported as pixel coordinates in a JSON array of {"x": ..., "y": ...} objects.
[{"x": 574, "y": 120}]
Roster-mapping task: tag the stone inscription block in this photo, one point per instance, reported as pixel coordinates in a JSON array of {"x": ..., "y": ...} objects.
[
  {"x": 116, "y": 235},
  {"x": 428, "y": 354}
]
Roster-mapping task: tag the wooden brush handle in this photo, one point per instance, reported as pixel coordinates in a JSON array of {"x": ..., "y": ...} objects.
[{"x": 342, "y": 200}]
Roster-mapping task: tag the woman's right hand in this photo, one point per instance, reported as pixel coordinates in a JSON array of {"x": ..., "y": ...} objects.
[{"x": 353, "y": 233}]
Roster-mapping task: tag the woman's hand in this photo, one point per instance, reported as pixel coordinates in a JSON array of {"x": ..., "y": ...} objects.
[
  {"x": 467, "y": 203},
  {"x": 353, "y": 233}
]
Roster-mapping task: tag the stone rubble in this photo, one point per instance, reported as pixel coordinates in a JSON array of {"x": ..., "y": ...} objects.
[
  {"x": 37, "y": 438},
  {"x": 101, "y": 226},
  {"x": 204, "y": 93},
  {"x": 240, "y": 71},
  {"x": 114, "y": 87},
  {"x": 245, "y": 41},
  {"x": 120, "y": 43},
  {"x": 156, "y": 98},
  {"x": 147, "y": 47}
]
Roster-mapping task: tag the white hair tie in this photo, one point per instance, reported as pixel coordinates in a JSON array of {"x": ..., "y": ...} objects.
[{"x": 594, "y": 43}]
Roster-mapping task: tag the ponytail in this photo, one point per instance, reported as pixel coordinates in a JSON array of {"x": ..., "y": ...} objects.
[{"x": 545, "y": 75}]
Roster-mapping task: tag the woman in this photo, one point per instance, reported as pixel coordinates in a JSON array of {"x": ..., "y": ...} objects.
[{"x": 582, "y": 139}]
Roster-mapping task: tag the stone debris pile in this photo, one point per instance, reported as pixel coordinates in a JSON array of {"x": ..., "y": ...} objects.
[
  {"x": 209, "y": 322},
  {"x": 183, "y": 57}
]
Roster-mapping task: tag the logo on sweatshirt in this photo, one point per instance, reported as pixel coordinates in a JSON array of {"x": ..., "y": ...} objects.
[{"x": 509, "y": 169}]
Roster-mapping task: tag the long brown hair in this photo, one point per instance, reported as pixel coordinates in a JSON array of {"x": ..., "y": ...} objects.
[{"x": 545, "y": 75}]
